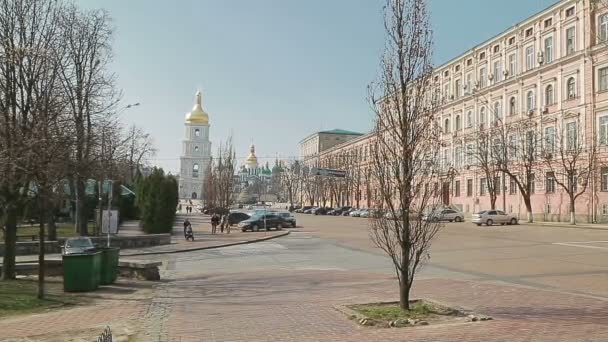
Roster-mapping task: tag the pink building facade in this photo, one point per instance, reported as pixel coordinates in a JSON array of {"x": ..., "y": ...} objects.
[{"x": 550, "y": 69}]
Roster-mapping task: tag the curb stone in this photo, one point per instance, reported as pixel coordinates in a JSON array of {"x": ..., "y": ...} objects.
[{"x": 285, "y": 233}]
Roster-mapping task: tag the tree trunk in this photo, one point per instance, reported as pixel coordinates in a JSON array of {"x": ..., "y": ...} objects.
[
  {"x": 52, "y": 227},
  {"x": 81, "y": 216},
  {"x": 41, "y": 263},
  {"x": 404, "y": 296},
  {"x": 528, "y": 208},
  {"x": 493, "y": 201},
  {"x": 572, "y": 211},
  {"x": 10, "y": 241}
]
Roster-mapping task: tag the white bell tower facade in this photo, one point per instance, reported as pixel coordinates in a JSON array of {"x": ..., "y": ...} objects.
[{"x": 196, "y": 152}]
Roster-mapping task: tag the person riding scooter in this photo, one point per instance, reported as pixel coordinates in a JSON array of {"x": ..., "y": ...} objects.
[{"x": 189, "y": 234}]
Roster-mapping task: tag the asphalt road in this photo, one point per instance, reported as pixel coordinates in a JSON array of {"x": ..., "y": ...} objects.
[{"x": 563, "y": 258}]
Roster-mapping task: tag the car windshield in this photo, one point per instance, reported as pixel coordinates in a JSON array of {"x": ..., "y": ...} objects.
[
  {"x": 482, "y": 212},
  {"x": 79, "y": 243}
]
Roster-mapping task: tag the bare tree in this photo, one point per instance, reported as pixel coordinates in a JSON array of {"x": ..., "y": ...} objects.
[
  {"x": 209, "y": 193},
  {"x": 89, "y": 90},
  {"x": 486, "y": 160},
  {"x": 140, "y": 148},
  {"x": 28, "y": 31},
  {"x": 224, "y": 174},
  {"x": 517, "y": 148},
  {"x": 571, "y": 166},
  {"x": 291, "y": 180},
  {"x": 404, "y": 142}
]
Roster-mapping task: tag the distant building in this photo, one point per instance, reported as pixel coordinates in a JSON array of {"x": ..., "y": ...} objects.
[
  {"x": 196, "y": 152},
  {"x": 255, "y": 181},
  {"x": 550, "y": 70},
  {"x": 324, "y": 140}
]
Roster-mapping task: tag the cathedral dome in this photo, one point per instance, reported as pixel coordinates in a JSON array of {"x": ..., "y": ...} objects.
[
  {"x": 252, "y": 161},
  {"x": 197, "y": 115}
]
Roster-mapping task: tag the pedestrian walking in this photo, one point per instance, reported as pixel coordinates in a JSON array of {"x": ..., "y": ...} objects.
[
  {"x": 226, "y": 223},
  {"x": 224, "y": 220},
  {"x": 186, "y": 224},
  {"x": 215, "y": 220}
]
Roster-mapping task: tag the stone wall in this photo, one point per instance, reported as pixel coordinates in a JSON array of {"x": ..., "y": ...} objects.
[
  {"x": 123, "y": 242},
  {"x": 29, "y": 248}
]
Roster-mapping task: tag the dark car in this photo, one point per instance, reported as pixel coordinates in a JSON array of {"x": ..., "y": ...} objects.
[
  {"x": 338, "y": 211},
  {"x": 236, "y": 217},
  {"x": 304, "y": 208},
  {"x": 264, "y": 221},
  {"x": 321, "y": 211}
]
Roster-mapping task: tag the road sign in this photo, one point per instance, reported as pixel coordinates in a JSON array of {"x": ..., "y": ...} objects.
[
  {"x": 109, "y": 219},
  {"x": 328, "y": 172}
]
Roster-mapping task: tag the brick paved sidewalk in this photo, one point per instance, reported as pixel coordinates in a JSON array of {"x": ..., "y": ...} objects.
[{"x": 300, "y": 307}]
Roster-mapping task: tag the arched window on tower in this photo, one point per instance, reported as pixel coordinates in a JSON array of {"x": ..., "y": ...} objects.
[
  {"x": 195, "y": 171},
  {"x": 197, "y": 132},
  {"x": 512, "y": 104}
]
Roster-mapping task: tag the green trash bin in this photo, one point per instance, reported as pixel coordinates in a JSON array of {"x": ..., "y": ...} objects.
[
  {"x": 109, "y": 265},
  {"x": 81, "y": 272}
]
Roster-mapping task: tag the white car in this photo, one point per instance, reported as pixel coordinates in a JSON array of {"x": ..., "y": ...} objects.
[
  {"x": 489, "y": 217},
  {"x": 364, "y": 213},
  {"x": 449, "y": 215},
  {"x": 355, "y": 213}
]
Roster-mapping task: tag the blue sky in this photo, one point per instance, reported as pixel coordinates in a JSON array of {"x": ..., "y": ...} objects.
[{"x": 271, "y": 71}]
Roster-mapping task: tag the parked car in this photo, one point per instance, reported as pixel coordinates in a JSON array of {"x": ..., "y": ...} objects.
[
  {"x": 237, "y": 216},
  {"x": 78, "y": 245},
  {"x": 309, "y": 210},
  {"x": 355, "y": 213},
  {"x": 321, "y": 211},
  {"x": 389, "y": 215},
  {"x": 338, "y": 211},
  {"x": 289, "y": 218},
  {"x": 265, "y": 221},
  {"x": 449, "y": 215},
  {"x": 371, "y": 213},
  {"x": 363, "y": 213},
  {"x": 302, "y": 209},
  {"x": 347, "y": 212},
  {"x": 489, "y": 217}
]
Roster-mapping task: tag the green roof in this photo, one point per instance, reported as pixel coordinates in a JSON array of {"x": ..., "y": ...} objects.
[{"x": 341, "y": 131}]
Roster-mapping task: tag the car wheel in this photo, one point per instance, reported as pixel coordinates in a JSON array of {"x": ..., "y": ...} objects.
[
  {"x": 255, "y": 228},
  {"x": 513, "y": 221},
  {"x": 279, "y": 226},
  {"x": 243, "y": 230},
  {"x": 293, "y": 225},
  {"x": 478, "y": 224},
  {"x": 451, "y": 220},
  {"x": 489, "y": 222},
  {"x": 458, "y": 219}
]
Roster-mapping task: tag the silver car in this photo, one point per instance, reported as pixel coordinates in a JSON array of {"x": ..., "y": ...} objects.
[
  {"x": 449, "y": 215},
  {"x": 78, "y": 245},
  {"x": 490, "y": 217}
]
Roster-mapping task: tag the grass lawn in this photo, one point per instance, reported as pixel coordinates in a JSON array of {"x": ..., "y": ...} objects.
[
  {"x": 19, "y": 297},
  {"x": 392, "y": 311}
]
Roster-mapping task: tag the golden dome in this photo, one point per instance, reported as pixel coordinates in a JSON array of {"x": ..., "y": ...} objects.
[
  {"x": 252, "y": 160},
  {"x": 197, "y": 115}
]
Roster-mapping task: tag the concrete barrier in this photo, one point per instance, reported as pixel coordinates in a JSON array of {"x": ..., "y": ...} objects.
[{"x": 136, "y": 269}]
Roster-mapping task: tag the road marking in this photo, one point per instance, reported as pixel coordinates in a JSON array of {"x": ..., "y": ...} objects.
[{"x": 581, "y": 244}]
